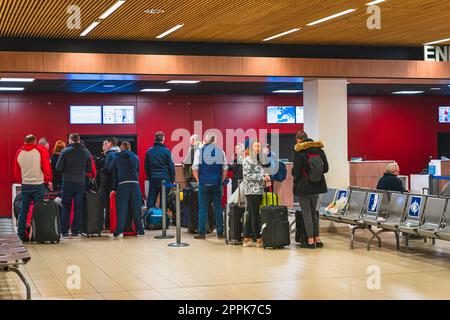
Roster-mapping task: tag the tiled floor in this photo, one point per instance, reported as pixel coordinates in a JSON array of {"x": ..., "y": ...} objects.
[{"x": 146, "y": 268}]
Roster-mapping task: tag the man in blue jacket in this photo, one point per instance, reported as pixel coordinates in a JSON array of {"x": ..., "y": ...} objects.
[
  {"x": 126, "y": 182},
  {"x": 158, "y": 167},
  {"x": 111, "y": 150},
  {"x": 74, "y": 162}
]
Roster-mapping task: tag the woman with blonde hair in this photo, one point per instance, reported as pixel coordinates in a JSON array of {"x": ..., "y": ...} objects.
[{"x": 57, "y": 176}]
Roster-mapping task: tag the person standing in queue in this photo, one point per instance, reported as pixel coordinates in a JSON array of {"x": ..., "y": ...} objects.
[
  {"x": 158, "y": 167},
  {"x": 74, "y": 163},
  {"x": 210, "y": 171},
  {"x": 236, "y": 166},
  {"x": 105, "y": 176},
  {"x": 310, "y": 165},
  {"x": 57, "y": 176},
  {"x": 126, "y": 184},
  {"x": 254, "y": 182},
  {"x": 31, "y": 169}
]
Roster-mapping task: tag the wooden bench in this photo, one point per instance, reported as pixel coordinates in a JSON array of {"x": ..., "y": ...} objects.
[{"x": 12, "y": 252}]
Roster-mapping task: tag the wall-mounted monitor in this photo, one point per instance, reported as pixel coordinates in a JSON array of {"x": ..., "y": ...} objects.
[
  {"x": 85, "y": 114},
  {"x": 281, "y": 114},
  {"x": 299, "y": 115},
  {"x": 444, "y": 114},
  {"x": 118, "y": 115}
]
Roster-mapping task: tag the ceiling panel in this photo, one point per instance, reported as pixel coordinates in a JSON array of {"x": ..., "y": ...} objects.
[{"x": 404, "y": 22}]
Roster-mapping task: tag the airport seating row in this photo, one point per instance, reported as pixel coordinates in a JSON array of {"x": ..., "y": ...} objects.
[
  {"x": 410, "y": 214},
  {"x": 12, "y": 252}
]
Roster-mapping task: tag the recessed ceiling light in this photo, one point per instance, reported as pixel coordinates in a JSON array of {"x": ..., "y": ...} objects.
[
  {"x": 331, "y": 17},
  {"x": 407, "y": 92},
  {"x": 109, "y": 86},
  {"x": 17, "y": 79},
  {"x": 287, "y": 91},
  {"x": 155, "y": 90},
  {"x": 434, "y": 89},
  {"x": 436, "y": 42},
  {"x": 108, "y": 12},
  {"x": 162, "y": 35},
  {"x": 154, "y": 11},
  {"x": 184, "y": 81},
  {"x": 89, "y": 29},
  {"x": 282, "y": 34},
  {"x": 11, "y": 89},
  {"x": 375, "y": 2}
]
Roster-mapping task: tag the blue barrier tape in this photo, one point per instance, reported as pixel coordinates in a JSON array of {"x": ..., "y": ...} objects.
[{"x": 441, "y": 177}]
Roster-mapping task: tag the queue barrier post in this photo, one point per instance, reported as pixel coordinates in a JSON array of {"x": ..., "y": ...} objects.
[
  {"x": 178, "y": 244},
  {"x": 164, "y": 234}
]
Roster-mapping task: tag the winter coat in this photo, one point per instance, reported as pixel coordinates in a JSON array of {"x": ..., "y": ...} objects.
[
  {"x": 302, "y": 185},
  {"x": 390, "y": 182},
  {"x": 159, "y": 164},
  {"x": 253, "y": 173}
]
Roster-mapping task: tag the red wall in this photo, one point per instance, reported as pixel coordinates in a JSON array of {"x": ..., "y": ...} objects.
[
  {"x": 380, "y": 128},
  {"x": 401, "y": 128},
  {"x": 47, "y": 115}
]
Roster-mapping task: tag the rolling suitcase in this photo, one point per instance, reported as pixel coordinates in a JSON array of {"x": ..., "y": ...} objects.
[
  {"x": 234, "y": 224},
  {"x": 92, "y": 222},
  {"x": 190, "y": 212},
  {"x": 275, "y": 225},
  {"x": 130, "y": 227},
  {"x": 300, "y": 230},
  {"x": 45, "y": 223}
]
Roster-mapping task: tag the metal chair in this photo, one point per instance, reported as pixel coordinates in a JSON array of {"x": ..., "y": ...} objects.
[
  {"x": 376, "y": 208},
  {"x": 395, "y": 216},
  {"x": 444, "y": 234},
  {"x": 352, "y": 215},
  {"x": 433, "y": 217},
  {"x": 325, "y": 199},
  {"x": 413, "y": 217},
  {"x": 338, "y": 195}
]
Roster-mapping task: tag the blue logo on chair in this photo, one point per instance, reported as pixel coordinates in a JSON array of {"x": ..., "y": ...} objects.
[
  {"x": 414, "y": 208},
  {"x": 342, "y": 194},
  {"x": 372, "y": 205}
]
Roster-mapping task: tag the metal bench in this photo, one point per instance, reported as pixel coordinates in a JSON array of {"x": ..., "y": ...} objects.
[
  {"x": 352, "y": 215},
  {"x": 12, "y": 252},
  {"x": 336, "y": 217},
  {"x": 444, "y": 234},
  {"x": 433, "y": 218},
  {"x": 325, "y": 199},
  {"x": 376, "y": 209},
  {"x": 395, "y": 216},
  {"x": 413, "y": 216}
]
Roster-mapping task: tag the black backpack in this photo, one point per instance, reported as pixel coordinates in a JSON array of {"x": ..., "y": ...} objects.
[{"x": 315, "y": 166}]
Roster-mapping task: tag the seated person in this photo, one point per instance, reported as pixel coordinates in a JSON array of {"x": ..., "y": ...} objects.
[
  {"x": 446, "y": 191},
  {"x": 389, "y": 181}
]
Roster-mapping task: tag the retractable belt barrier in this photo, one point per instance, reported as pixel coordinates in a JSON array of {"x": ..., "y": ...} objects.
[
  {"x": 164, "y": 234},
  {"x": 441, "y": 177},
  {"x": 178, "y": 244}
]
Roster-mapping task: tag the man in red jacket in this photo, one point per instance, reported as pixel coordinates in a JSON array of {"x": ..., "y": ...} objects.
[{"x": 33, "y": 170}]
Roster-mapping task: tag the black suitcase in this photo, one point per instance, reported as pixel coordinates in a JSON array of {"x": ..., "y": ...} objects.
[
  {"x": 190, "y": 212},
  {"x": 234, "y": 224},
  {"x": 300, "y": 230},
  {"x": 45, "y": 224},
  {"x": 92, "y": 221},
  {"x": 275, "y": 227}
]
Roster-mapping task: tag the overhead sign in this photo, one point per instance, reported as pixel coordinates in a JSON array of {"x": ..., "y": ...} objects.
[{"x": 437, "y": 53}]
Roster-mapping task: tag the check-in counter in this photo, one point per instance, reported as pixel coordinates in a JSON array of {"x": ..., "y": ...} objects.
[{"x": 367, "y": 173}]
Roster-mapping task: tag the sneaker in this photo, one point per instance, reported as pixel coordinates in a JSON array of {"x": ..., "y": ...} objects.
[
  {"x": 140, "y": 235},
  {"x": 259, "y": 243},
  {"x": 65, "y": 236},
  {"x": 84, "y": 234},
  {"x": 200, "y": 237},
  {"x": 75, "y": 236},
  {"x": 116, "y": 236},
  {"x": 306, "y": 245},
  {"x": 319, "y": 244},
  {"x": 248, "y": 243}
]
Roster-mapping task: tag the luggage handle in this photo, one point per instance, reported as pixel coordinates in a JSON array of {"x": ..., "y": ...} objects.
[{"x": 271, "y": 190}]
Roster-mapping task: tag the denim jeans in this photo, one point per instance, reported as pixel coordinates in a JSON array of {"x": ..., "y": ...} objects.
[
  {"x": 75, "y": 191},
  {"x": 205, "y": 195},
  {"x": 154, "y": 191},
  {"x": 128, "y": 201},
  {"x": 30, "y": 193}
]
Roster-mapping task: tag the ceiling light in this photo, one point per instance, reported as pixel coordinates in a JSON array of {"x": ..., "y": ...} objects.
[
  {"x": 375, "y": 2},
  {"x": 109, "y": 86},
  {"x": 184, "y": 81},
  {"x": 287, "y": 91},
  {"x": 331, "y": 17},
  {"x": 154, "y": 11},
  {"x": 155, "y": 90},
  {"x": 108, "y": 12},
  {"x": 11, "y": 89},
  {"x": 162, "y": 35},
  {"x": 17, "y": 79},
  {"x": 407, "y": 92},
  {"x": 282, "y": 34},
  {"x": 438, "y": 41},
  {"x": 89, "y": 29},
  {"x": 434, "y": 89}
]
